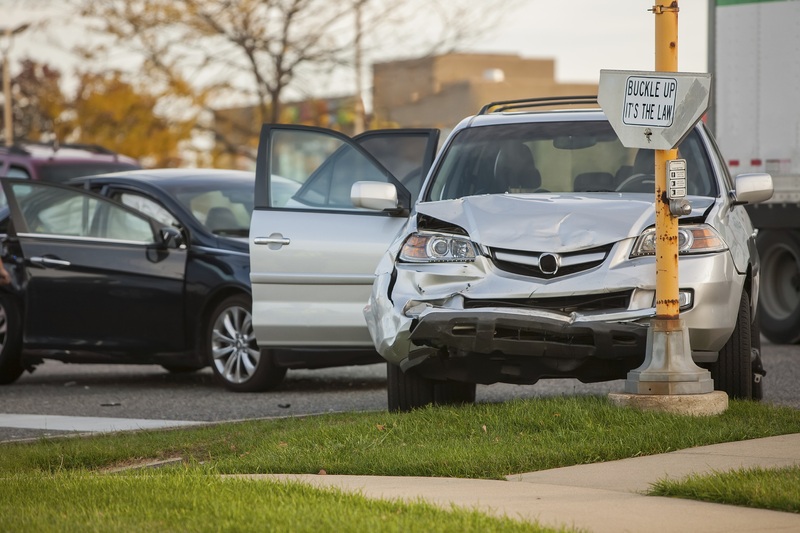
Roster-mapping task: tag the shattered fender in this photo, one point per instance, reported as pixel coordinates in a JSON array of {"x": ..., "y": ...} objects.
[{"x": 389, "y": 330}]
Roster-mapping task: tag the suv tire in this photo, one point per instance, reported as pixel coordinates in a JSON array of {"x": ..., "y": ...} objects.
[
  {"x": 409, "y": 390},
  {"x": 733, "y": 371}
]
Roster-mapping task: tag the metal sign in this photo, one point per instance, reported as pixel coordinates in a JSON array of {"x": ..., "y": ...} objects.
[
  {"x": 649, "y": 101},
  {"x": 653, "y": 110},
  {"x": 676, "y": 179}
]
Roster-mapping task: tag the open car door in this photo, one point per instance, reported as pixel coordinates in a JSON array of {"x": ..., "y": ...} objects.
[
  {"x": 313, "y": 254},
  {"x": 92, "y": 270}
]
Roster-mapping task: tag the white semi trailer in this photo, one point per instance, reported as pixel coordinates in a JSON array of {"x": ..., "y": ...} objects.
[{"x": 754, "y": 57}]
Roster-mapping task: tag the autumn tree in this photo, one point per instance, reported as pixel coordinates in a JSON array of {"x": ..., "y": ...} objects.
[
  {"x": 112, "y": 112},
  {"x": 38, "y": 103}
]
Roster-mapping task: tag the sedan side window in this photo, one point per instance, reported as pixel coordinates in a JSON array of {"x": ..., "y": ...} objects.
[
  {"x": 49, "y": 210},
  {"x": 149, "y": 207}
]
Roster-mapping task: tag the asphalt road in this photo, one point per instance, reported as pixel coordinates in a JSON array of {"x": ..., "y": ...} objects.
[{"x": 149, "y": 392}]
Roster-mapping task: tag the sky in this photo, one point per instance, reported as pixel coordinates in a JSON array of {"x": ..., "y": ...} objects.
[
  {"x": 582, "y": 36},
  {"x": 586, "y": 36}
]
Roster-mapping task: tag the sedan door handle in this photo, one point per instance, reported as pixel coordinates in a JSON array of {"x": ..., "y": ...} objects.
[
  {"x": 49, "y": 262},
  {"x": 274, "y": 241}
]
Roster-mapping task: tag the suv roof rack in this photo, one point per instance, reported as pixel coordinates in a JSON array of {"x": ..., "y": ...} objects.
[{"x": 505, "y": 105}]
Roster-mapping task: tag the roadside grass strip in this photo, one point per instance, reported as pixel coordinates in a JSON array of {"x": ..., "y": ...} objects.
[
  {"x": 776, "y": 489},
  {"x": 189, "y": 500},
  {"x": 172, "y": 479},
  {"x": 487, "y": 441}
]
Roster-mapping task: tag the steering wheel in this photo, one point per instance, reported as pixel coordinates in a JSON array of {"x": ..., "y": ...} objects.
[{"x": 638, "y": 183}]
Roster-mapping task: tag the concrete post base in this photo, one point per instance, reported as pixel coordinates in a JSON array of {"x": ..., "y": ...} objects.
[
  {"x": 710, "y": 404},
  {"x": 668, "y": 367}
]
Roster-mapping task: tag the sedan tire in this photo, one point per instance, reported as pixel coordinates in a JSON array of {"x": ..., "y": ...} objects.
[
  {"x": 232, "y": 351},
  {"x": 10, "y": 342},
  {"x": 733, "y": 371}
]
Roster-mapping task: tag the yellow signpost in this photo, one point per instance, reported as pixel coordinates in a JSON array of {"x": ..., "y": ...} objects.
[{"x": 645, "y": 110}]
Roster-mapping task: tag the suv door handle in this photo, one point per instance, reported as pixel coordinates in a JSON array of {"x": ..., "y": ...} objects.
[
  {"x": 275, "y": 241},
  {"x": 49, "y": 262}
]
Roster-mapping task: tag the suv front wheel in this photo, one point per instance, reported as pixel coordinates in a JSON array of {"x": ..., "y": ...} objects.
[
  {"x": 409, "y": 390},
  {"x": 733, "y": 371}
]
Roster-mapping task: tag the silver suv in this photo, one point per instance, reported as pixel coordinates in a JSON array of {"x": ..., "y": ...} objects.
[{"x": 530, "y": 254}]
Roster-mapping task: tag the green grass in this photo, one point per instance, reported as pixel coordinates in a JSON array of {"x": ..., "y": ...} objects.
[
  {"x": 776, "y": 489},
  {"x": 185, "y": 500},
  {"x": 481, "y": 441},
  {"x": 66, "y": 484}
]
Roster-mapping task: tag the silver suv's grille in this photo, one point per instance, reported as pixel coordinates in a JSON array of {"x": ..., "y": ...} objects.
[
  {"x": 548, "y": 265},
  {"x": 584, "y": 303}
]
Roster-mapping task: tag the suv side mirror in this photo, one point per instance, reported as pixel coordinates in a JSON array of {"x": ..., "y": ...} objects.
[
  {"x": 375, "y": 195},
  {"x": 753, "y": 188},
  {"x": 171, "y": 237}
]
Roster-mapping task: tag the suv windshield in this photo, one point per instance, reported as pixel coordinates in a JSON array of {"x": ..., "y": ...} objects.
[{"x": 556, "y": 157}]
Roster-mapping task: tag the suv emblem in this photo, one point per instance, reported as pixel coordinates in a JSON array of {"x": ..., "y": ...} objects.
[{"x": 549, "y": 263}]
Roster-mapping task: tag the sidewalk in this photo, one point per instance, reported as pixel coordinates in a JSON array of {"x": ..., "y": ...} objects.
[{"x": 601, "y": 497}]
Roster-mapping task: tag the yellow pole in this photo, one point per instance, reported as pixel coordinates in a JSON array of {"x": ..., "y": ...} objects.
[
  {"x": 667, "y": 306},
  {"x": 668, "y": 368}
]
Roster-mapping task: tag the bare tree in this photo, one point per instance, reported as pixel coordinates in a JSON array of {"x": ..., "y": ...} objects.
[{"x": 201, "y": 55}]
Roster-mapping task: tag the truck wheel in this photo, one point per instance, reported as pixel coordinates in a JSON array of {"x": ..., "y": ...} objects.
[
  {"x": 409, "y": 390},
  {"x": 779, "y": 301},
  {"x": 733, "y": 370},
  {"x": 232, "y": 351}
]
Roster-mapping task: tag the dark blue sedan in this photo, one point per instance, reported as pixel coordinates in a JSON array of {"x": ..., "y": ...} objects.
[{"x": 146, "y": 266}]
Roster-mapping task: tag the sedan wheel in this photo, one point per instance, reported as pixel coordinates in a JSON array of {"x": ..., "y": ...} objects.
[{"x": 233, "y": 352}]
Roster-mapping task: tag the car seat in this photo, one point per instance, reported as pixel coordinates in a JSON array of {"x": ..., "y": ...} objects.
[
  {"x": 221, "y": 218},
  {"x": 515, "y": 168}
]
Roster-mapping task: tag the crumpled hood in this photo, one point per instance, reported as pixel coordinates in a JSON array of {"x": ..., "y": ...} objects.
[{"x": 552, "y": 222}]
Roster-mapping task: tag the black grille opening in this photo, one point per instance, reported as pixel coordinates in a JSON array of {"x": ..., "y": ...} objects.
[{"x": 566, "y": 304}]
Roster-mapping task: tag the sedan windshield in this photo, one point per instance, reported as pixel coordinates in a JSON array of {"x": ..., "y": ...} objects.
[{"x": 556, "y": 157}]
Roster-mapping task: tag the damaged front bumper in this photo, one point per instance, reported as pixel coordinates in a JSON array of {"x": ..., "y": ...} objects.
[
  {"x": 515, "y": 345},
  {"x": 531, "y": 332}
]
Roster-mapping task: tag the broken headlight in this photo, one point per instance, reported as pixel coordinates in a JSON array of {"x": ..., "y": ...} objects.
[
  {"x": 436, "y": 248},
  {"x": 695, "y": 239}
]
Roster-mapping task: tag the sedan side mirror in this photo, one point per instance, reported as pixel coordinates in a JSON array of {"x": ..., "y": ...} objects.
[
  {"x": 753, "y": 188},
  {"x": 171, "y": 237},
  {"x": 376, "y": 195}
]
